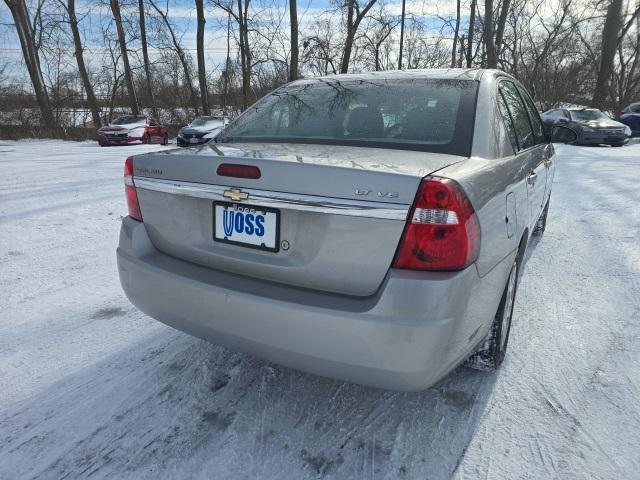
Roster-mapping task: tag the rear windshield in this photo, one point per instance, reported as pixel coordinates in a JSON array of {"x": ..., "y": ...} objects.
[
  {"x": 206, "y": 121},
  {"x": 412, "y": 114},
  {"x": 587, "y": 115},
  {"x": 127, "y": 119}
]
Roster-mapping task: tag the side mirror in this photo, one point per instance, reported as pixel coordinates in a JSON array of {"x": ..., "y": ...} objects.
[{"x": 562, "y": 121}]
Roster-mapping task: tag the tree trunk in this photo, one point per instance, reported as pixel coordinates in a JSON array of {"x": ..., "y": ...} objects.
[
  {"x": 348, "y": 42},
  {"x": 612, "y": 26},
  {"x": 25, "y": 32},
  {"x": 202, "y": 73},
  {"x": 401, "y": 35},
  {"x": 227, "y": 66},
  {"x": 293, "y": 19},
  {"x": 455, "y": 35},
  {"x": 472, "y": 18},
  {"x": 353, "y": 22},
  {"x": 490, "y": 46},
  {"x": 82, "y": 69},
  {"x": 133, "y": 102},
  {"x": 502, "y": 22},
  {"x": 245, "y": 52},
  {"x": 145, "y": 57}
]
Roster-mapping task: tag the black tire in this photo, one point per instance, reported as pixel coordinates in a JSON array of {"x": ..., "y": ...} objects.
[
  {"x": 165, "y": 140},
  {"x": 564, "y": 135},
  {"x": 493, "y": 350},
  {"x": 617, "y": 144},
  {"x": 541, "y": 224}
]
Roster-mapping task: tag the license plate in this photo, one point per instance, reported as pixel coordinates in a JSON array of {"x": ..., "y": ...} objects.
[
  {"x": 246, "y": 225},
  {"x": 193, "y": 140}
]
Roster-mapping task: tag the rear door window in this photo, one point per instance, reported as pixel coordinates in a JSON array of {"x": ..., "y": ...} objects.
[
  {"x": 518, "y": 111},
  {"x": 534, "y": 117},
  {"x": 508, "y": 121}
]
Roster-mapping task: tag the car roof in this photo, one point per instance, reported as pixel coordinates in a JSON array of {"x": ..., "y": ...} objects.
[{"x": 427, "y": 74}]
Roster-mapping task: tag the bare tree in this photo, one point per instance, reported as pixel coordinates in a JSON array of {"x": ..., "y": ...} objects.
[
  {"x": 293, "y": 21},
  {"x": 179, "y": 52},
  {"x": 202, "y": 74},
  {"x": 489, "y": 43},
  {"x": 321, "y": 52},
  {"x": 402, "y": 18},
  {"x": 612, "y": 26},
  {"x": 456, "y": 31},
  {"x": 241, "y": 17},
  {"x": 354, "y": 17},
  {"x": 25, "y": 32},
  {"x": 502, "y": 21},
  {"x": 145, "y": 56},
  {"x": 128, "y": 76},
  {"x": 70, "y": 8},
  {"x": 375, "y": 34},
  {"x": 472, "y": 18}
]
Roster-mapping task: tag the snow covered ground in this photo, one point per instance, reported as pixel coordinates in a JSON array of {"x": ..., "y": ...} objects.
[{"x": 89, "y": 387}]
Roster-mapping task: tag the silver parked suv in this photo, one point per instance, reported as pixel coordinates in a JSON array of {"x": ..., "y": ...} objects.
[{"x": 364, "y": 227}]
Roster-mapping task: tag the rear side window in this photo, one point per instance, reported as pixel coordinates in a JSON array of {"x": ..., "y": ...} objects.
[
  {"x": 534, "y": 116},
  {"x": 508, "y": 121},
  {"x": 518, "y": 111}
]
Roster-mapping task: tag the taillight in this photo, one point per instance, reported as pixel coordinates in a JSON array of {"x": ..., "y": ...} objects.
[
  {"x": 130, "y": 190},
  {"x": 236, "y": 170},
  {"x": 442, "y": 231}
]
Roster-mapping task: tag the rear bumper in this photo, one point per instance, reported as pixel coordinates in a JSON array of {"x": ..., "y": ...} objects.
[
  {"x": 182, "y": 142},
  {"x": 417, "y": 328}
]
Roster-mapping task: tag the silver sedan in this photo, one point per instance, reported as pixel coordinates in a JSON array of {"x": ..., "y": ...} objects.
[{"x": 366, "y": 227}]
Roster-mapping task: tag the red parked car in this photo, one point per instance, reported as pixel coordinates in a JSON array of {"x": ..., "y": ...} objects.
[{"x": 132, "y": 128}]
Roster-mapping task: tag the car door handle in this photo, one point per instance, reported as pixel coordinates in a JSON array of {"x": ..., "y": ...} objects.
[{"x": 531, "y": 178}]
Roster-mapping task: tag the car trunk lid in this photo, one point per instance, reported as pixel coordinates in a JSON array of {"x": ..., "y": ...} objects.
[{"x": 341, "y": 210}]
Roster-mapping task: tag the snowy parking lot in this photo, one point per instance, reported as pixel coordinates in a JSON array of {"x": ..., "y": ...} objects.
[{"x": 90, "y": 387}]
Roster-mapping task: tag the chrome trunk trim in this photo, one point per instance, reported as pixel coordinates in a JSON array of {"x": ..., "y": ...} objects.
[{"x": 290, "y": 201}]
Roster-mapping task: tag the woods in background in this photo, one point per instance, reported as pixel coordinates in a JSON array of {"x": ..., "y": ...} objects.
[{"x": 572, "y": 51}]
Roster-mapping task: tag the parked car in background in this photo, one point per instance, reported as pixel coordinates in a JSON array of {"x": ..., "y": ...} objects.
[
  {"x": 585, "y": 126},
  {"x": 132, "y": 129},
  {"x": 367, "y": 227},
  {"x": 630, "y": 116},
  {"x": 201, "y": 130}
]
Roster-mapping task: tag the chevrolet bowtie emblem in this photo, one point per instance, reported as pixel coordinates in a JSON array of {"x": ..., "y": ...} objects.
[{"x": 235, "y": 194}]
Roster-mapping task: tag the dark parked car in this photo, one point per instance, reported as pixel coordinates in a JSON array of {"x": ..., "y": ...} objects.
[
  {"x": 131, "y": 129},
  {"x": 201, "y": 130},
  {"x": 585, "y": 126},
  {"x": 630, "y": 116}
]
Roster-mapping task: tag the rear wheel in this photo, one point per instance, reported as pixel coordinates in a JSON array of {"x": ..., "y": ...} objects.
[
  {"x": 492, "y": 352},
  {"x": 617, "y": 144}
]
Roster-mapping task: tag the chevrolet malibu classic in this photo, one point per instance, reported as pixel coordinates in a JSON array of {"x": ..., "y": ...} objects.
[{"x": 368, "y": 227}]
